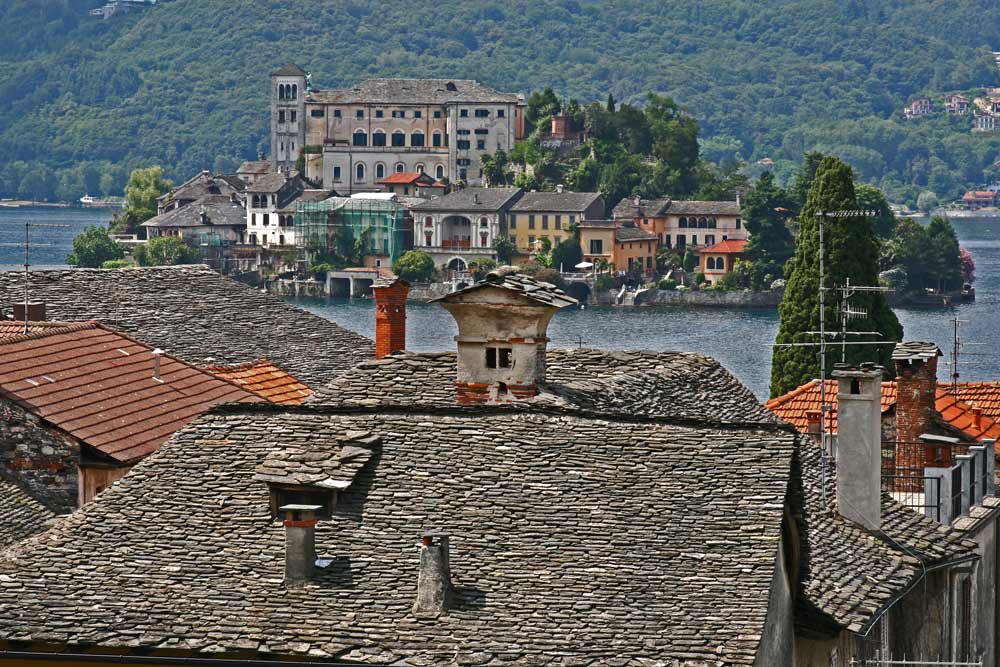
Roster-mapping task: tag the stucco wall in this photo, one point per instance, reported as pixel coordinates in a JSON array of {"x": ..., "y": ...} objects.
[{"x": 38, "y": 459}]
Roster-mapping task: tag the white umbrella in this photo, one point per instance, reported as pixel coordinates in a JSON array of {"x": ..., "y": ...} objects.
[{"x": 584, "y": 265}]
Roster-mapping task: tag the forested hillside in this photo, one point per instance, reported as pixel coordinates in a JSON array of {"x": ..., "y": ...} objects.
[{"x": 184, "y": 84}]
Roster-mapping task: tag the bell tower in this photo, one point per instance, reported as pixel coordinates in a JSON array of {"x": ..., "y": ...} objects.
[{"x": 288, "y": 110}]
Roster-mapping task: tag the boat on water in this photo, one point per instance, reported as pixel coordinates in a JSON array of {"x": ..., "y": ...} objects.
[{"x": 94, "y": 202}]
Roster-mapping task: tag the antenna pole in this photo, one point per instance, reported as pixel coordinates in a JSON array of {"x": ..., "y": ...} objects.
[
  {"x": 27, "y": 240},
  {"x": 823, "y": 407}
]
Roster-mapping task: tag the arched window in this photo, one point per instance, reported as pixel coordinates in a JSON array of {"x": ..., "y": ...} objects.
[
  {"x": 360, "y": 138},
  {"x": 428, "y": 221},
  {"x": 439, "y": 171},
  {"x": 417, "y": 138},
  {"x": 720, "y": 264},
  {"x": 710, "y": 264},
  {"x": 359, "y": 172},
  {"x": 483, "y": 222},
  {"x": 400, "y": 167},
  {"x": 380, "y": 170},
  {"x": 378, "y": 138},
  {"x": 428, "y": 238},
  {"x": 436, "y": 139},
  {"x": 683, "y": 223},
  {"x": 281, "y": 91},
  {"x": 398, "y": 138},
  {"x": 702, "y": 223},
  {"x": 295, "y": 91},
  {"x": 711, "y": 223},
  {"x": 419, "y": 168}
]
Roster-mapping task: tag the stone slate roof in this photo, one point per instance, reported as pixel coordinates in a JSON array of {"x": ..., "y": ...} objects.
[
  {"x": 195, "y": 314},
  {"x": 291, "y": 69},
  {"x": 676, "y": 385},
  {"x": 625, "y": 234},
  {"x": 473, "y": 199},
  {"x": 626, "y": 208},
  {"x": 221, "y": 211},
  {"x": 574, "y": 540},
  {"x": 512, "y": 280},
  {"x": 556, "y": 201},
  {"x": 915, "y": 351},
  {"x": 201, "y": 185},
  {"x": 258, "y": 167},
  {"x": 272, "y": 182},
  {"x": 20, "y": 515},
  {"x": 414, "y": 91},
  {"x": 848, "y": 575}
]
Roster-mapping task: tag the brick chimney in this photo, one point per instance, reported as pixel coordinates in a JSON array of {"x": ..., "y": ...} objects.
[
  {"x": 859, "y": 444},
  {"x": 390, "y": 316},
  {"x": 502, "y": 335},
  {"x": 916, "y": 389},
  {"x": 434, "y": 580},
  {"x": 300, "y": 543},
  {"x": 33, "y": 311},
  {"x": 814, "y": 423}
]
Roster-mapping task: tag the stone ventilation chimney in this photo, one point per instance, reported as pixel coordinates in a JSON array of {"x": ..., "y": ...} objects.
[
  {"x": 859, "y": 444},
  {"x": 390, "y": 316},
  {"x": 434, "y": 580},
  {"x": 33, "y": 311},
  {"x": 300, "y": 542},
  {"x": 916, "y": 391},
  {"x": 502, "y": 335},
  {"x": 560, "y": 188}
]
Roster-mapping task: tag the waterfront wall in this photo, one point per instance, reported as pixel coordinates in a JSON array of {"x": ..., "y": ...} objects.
[{"x": 708, "y": 298}]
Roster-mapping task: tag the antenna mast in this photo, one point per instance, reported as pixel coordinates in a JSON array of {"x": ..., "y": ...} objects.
[{"x": 27, "y": 249}]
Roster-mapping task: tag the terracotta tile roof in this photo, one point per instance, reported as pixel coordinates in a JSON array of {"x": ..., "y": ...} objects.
[
  {"x": 794, "y": 406},
  {"x": 265, "y": 379},
  {"x": 408, "y": 177},
  {"x": 727, "y": 246},
  {"x": 15, "y": 329},
  {"x": 985, "y": 395},
  {"x": 97, "y": 385}
]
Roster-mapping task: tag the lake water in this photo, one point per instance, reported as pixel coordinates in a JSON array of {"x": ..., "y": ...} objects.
[{"x": 740, "y": 339}]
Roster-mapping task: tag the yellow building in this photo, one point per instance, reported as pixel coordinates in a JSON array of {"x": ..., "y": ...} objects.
[{"x": 550, "y": 215}]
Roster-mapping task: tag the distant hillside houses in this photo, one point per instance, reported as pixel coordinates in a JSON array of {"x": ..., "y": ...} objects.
[{"x": 120, "y": 7}]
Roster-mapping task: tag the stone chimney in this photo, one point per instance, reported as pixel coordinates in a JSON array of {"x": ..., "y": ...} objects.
[
  {"x": 300, "y": 543},
  {"x": 916, "y": 390},
  {"x": 33, "y": 311},
  {"x": 434, "y": 580},
  {"x": 502, "y": 335},
  {"x": 390, "y": 316},
  {"x": 859, "y": 444}
]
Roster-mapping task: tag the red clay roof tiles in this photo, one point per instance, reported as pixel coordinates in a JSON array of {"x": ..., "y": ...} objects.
[
  {"x": 98, "y": 386},
  {"x": 794, "y": 406},
  {"x": 264, "y": 379}
]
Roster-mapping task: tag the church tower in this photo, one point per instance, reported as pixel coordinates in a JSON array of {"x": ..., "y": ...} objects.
[{"x": 288, "y": 110}]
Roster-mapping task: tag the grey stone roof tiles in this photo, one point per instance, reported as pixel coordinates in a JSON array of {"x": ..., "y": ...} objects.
[
  {"x": 556, "y": 201},
  {"x": 291, "y": 69},
  {"x": 20, "y": 515},
  {"x": 414, "y": 91},
  {"x": 633, "y": 234},
  {"x": 626, "y": 208},
  {"x": 201, "y": 185},
  {"x": 915, "y": 350},
  {"x": 511, "y": 279},
  {"x": 574, "y": 540},
  {"x": 219, "y": 209},
  {"x": 194, "y": 313},
  {"x": 848, "y": 575},
  {"x": 472, "y": 199}
]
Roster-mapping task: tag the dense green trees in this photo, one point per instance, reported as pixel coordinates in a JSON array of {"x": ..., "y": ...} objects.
[
  {"x": 94, "y": 247},
  {"x": 165, "y": 251},
  {"x": 146, "y": 88},
  {"x": 851, "y": 251},
  {"x": 414, "y": 266},
  {"x": 142, "y": 190},
  {"x": 766, "y": 208}
]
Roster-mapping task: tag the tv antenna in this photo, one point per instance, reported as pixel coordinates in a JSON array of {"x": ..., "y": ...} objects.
[
  {"x": 957, "y": 347},
  {"x": 26, "y": 244}
]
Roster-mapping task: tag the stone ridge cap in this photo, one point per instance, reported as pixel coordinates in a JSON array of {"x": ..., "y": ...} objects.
[{"x": 499, "y": 409}]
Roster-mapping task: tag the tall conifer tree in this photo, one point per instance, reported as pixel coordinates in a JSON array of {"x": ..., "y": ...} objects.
[{"x": 851, "y": 251}]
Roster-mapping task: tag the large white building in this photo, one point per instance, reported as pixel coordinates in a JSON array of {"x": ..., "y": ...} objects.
[{"x": 352, "y": 138}]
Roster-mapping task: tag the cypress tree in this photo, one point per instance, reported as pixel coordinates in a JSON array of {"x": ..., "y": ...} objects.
[{"x": 852, "y": 251}]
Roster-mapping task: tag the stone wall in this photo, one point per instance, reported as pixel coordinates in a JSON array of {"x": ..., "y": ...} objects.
[
  {"x": 710, "y": 298},
  {"x": 41, "y": 460}
]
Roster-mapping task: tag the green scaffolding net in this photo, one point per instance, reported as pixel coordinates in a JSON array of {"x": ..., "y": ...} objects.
[{"x": 343, "y": 231}]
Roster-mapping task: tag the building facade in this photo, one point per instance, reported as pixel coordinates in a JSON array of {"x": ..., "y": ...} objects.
[
  {"x": 717, "y": 260},
  {"x": 551, "y": 215},
  {"x": 353, "y": 137},
  {"x": 684, "y": 224},
  {"x": 463, "y": 226}
]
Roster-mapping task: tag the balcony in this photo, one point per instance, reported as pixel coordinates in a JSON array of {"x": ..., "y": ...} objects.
[{"x": 456, "y": 243}]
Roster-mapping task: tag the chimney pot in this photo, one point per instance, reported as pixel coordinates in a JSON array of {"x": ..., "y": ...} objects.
[
  {"x": 33, "y": 311},
  {"x": 859, "y": 445},
  {"x": 434, "y": 580},
  {"x": 300, "y": 542},
  {"x": 157, "y": 353},
  {"x": 390, "y": 316},
  {"x": 977, "y": 416}
]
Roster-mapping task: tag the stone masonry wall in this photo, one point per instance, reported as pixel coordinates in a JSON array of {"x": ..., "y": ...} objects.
[{"x": 37, "y": 459}]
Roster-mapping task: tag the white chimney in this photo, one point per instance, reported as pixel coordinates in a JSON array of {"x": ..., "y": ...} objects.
[
  {"x": 157, "y": 353},
  {"x": 859, "y": 444},
  {"x": 559, "y": 188}
]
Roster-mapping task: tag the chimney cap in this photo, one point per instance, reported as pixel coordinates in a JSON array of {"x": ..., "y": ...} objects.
[
  {"x": 866, "y": 370},
  {"x": 915, "y": 351}
]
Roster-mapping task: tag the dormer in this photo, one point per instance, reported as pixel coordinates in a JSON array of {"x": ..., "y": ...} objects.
[{"x": 502, "y": 335}]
